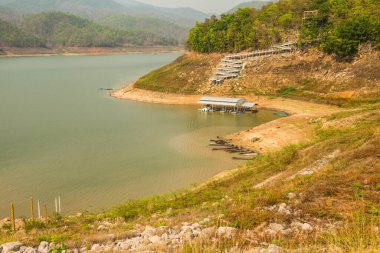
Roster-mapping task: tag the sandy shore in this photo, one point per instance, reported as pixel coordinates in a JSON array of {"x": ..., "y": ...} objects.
[
  {"x": 75, "y": 51},
  {"x": 139, "y": 95},
  {"x": 272, "y": 135}
]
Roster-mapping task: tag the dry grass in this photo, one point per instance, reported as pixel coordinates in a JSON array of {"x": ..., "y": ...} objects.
[
  {"x": 310, "y": 75},
  {"x": 185, "y": 75},
  {"x": 344, "y": 192}
]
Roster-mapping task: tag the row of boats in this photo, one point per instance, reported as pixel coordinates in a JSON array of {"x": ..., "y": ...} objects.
[
  {"x": 207, "y": 109},
  {"x": 244, "y": 153}
]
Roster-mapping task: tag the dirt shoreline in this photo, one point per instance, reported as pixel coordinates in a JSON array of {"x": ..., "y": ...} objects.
[
  {"x": 296, "y": 128},
  {"x": 74, "y": 51}
]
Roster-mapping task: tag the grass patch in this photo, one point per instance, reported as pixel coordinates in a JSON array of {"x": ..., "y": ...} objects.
[
  {"x": 345, "y": 189},
  {"x": 286, "y": 91}
]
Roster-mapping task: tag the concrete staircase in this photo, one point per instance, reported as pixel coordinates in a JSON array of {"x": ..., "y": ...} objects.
[{"x": 231, "y": 66}]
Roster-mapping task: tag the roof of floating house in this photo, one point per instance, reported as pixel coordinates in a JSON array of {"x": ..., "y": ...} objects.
[
  {"x": 221, "y": 101},
  {"x": 248, "y": 105}
]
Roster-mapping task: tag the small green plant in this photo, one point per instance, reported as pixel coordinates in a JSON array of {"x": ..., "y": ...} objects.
[
  {"x": 286, "y": 91},
  {"x": 56, "y": 238},
  {"x": 36, "y": 224}
]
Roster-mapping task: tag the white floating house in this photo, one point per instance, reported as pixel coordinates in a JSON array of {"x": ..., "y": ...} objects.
[{"x": 225, "y": 104}]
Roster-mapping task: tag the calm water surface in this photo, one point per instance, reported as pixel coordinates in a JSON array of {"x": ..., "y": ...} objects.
[{"x": 61, "y": 135}]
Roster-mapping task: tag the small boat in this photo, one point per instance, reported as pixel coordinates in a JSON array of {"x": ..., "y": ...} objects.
[
  {"x": 242, "y": 158},
  {"x": 281, "y": 114}
]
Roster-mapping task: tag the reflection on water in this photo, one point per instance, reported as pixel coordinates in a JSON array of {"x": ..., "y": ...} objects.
[{"x": 61, "y": 135}]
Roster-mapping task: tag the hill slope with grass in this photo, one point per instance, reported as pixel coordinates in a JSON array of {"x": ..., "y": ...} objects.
[
  {"x": 320, "y": 195},
  {"x": 314, "y": 189},
  {"x": 309, "y": 75}
]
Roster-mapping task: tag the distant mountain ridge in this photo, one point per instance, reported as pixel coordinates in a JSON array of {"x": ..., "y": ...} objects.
[
  {"x": 162, "y": 25},
  {"x": 251, "y": 4},
  {"x": 95, "y": 9},
  {"x": 59, "y": 29}
]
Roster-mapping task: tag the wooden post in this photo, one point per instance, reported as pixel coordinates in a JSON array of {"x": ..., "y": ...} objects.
[
  {"x": 45, "y": 213},
  {"x": 31, "y": 209},
  {"x": 13, "y": 217},
  {"x": 38, "y": 209}
]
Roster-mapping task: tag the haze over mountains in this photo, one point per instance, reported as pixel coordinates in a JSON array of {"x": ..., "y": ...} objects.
[
  {"x": 30, "y": 23},
  {"x": 251, "y": 4},
  {"x": 94, "y": 9}
]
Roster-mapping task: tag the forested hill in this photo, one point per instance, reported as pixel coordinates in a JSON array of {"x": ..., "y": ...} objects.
[
  {"x": 10, "y": 35},
  {"x": 95, "y": 9},
  {"x": 156, "y": 26},
  {"x": 118, "y": 21},
  {"x": 251, "y": 4},
  {"x": 52, "y": 29},
  {"x": 339, "y": 27}
]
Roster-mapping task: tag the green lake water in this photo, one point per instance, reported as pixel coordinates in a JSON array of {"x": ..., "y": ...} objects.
[{"x": 60, "y": 135}]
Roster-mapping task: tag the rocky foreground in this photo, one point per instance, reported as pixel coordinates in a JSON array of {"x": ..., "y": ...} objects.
[{"x": 172, "y": 239}]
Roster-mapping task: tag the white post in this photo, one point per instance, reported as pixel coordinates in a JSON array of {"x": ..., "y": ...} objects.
[
  {"x": 56, "y": 205},
  {"x": 59, "y": 204},
  {"x": 39, "y": 209}
]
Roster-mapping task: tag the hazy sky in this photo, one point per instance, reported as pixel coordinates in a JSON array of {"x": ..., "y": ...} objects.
[{"x": 209, "y": 6}]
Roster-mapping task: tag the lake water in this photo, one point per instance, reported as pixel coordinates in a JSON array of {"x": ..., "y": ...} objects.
[{"x": 60, "y": 135}]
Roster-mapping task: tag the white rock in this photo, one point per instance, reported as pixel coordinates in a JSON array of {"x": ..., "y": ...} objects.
[
  {"x": 149, "y": 231},
  {"x": 187, "y": 235},
  {"x": 108, "y": 248},
  {"x": 155, "y": 239},
  {"x": 291, "y": 195},
  {"x": 95, "y": 247},
  {"x": 205, "y": 220},
  {"x": 306, "y": 227},
  {"x": 296, "y": 224},
  {"x": 11, "y": 247},
  {"x": 165, "y": 237},
  {"x": 228, "y": 232},
  {"x": 125, "y": 245},
  {"x": 307, "y": 172},
  {"x": 186, "y": 228},
  {"x": 195, "y": 225},
  {"x": 283, "y": 210},
  {"x": 270, "y": 232},
  {"x": 274, "y": 249},
  {"x": 276, "y": 227},
  {"x": 287, "y": 231},
  {"x": 24, "y": 249},
  {"x": 108, "y": 224},
  {"x": 102, "y": 228}
]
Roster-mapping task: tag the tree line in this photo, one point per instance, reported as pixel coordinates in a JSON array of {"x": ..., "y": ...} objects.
[
  {"x": 339, "y": 26},
  {"x": 52, "y": 29}
]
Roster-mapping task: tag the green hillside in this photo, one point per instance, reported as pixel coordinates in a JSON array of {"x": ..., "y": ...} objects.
[
  {"x": 156, "y": 26},
  {"x": 136, "y": 23},
  {"x": 10, "y": 35},
  {"x": 338, "y": 27},
  {"x": 95, "y": 9},
  {"x": 57, "y": 29}
]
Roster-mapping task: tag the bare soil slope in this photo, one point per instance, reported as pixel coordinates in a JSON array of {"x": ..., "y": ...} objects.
[{"x": 305, "y": 75}]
